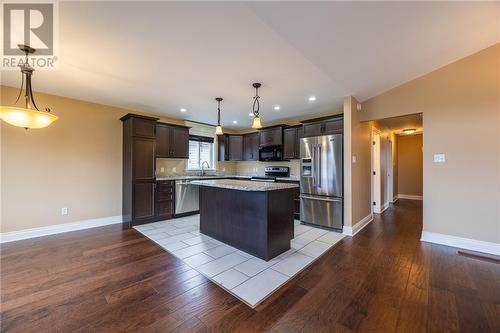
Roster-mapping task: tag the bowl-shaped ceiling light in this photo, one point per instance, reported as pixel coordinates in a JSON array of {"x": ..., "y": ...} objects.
[{"x": 28, "y": 116}]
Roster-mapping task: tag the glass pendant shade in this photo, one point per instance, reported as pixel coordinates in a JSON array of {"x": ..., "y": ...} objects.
[
  {"x": 27, "y": 118},
  {"x": 218, "y": 130},
  {"x": 256, "y": 122}
]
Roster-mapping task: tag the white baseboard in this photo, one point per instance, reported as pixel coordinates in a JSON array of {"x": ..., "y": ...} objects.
[
  {"x": 462, "y": 243},
  {"x": 58, "y": 228},
  {"x": 351, "y": 231},
  {"x": 410, "y": 197},
  {"x": 395, "y": 199},
  {"x": 384, "y": 207}
]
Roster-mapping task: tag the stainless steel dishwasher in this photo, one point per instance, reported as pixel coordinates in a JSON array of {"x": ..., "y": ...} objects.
[{"x": 187, "y": 196}]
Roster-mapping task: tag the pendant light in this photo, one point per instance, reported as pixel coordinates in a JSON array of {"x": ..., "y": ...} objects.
[
  {"x": 28, "y": 116},
  {"x": 218, "y": 129},
  {"x": 256, "y": 106}
]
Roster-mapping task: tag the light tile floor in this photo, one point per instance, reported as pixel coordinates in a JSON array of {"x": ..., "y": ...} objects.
[{"x": 243, "y": 275}]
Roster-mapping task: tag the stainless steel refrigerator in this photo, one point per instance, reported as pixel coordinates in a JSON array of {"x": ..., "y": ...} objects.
[{"x": 321, "y": 181}]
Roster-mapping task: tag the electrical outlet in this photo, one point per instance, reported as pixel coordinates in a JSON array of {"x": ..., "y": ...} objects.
[
  {"x": 162, "y": 169},
  {"x": 174, "y": 169},
  {"x": 223, "y": 169},
  {"x": 64, "y": 211}
]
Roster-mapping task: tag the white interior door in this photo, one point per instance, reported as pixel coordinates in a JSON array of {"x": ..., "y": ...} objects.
[{"x": 376, "y": 181}]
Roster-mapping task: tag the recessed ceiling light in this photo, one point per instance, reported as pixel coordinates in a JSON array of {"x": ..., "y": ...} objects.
[
  {"x": 409, "y": 130},
  {"x": 277, "y": 107},
  {"x": 182, "y": 110},
  {"x": 312, "y": 98},
  {"x": 235, "y": 121},
  {"x": 250, "y": 114}
]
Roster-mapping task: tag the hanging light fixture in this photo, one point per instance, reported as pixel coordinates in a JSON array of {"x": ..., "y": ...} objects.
[
  {"x": 256, "y": 106},
  {"x": 218, "y": 129},
  {"x": 28, "y": 116}
]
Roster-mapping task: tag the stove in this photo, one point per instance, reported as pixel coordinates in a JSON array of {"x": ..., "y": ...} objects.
[{"x": 271, "y": 173}]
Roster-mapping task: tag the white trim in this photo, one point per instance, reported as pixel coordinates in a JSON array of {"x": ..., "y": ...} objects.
[
  {"x": 410, "y": 197},
  {"x": 395, "y": 199},
  {"x": 351, "y": 231},
  {"x": 384, "y": 207},
  {"x": 463, "y": 243},
  {"x": 58, "y": 228}
]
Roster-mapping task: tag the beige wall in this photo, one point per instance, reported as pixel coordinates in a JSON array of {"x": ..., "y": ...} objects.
[
  {"x": 357, "y": 179},
  {"x": 461, "y": 118},
  {"x": 410, "y": 165},
  {"x": 75, "y": 163}
]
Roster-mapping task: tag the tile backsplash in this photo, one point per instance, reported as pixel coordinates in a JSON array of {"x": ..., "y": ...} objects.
[{"x": 166, "y": 166}]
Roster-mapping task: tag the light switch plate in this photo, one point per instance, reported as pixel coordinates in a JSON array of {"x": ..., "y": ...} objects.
[
  {"x": 64, "y": 211},
  {"x": 439, "y": 158},
  {"x": 354, "y": 158}
]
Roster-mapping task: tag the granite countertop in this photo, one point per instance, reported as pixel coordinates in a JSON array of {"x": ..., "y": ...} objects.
[
  {"x": 186, "y": 177},
  {"x": 245, "y": 185}
]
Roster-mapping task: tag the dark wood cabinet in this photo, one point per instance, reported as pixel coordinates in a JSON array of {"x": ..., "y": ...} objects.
[
  {"x": 323, "y": 126},
  {"x": 139, "y": 151},
  {"x": 296, "y": 197},
  {"x": 230, "y": 147},
  {"x": 165, "y": 204},
  {"x": 251, "y": 147},
  {"x": 222, "y": 147},
  {"x": 272, "y": 136},
  {"x": 172, "y": 141},
  {"x": 235, "y": 147},
  {"x": 291, "y": 144}
]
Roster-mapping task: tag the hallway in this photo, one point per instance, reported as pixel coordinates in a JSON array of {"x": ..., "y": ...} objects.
[{"x": 382, "y": 280}]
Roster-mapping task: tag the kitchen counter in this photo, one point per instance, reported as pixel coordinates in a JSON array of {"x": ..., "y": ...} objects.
[
  {"x": 193, "y": 177},
  {"x": 245, "y": 185}
]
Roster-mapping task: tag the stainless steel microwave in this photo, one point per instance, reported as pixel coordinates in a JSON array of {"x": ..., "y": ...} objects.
[{"x": 270, "y": 153}]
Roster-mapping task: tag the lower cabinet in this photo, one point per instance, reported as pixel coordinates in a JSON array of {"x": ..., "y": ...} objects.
[
  {"x": 144, "y": 200},
  {"x": 296, "y": 197},
  {"x": 165, "y": 204}
]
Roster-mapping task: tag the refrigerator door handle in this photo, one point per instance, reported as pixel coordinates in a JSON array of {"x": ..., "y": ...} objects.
[
  {"x": 313, "y": 169},
  {"x": 318, "y": 163},
  {"x": 320, "y": 199}
]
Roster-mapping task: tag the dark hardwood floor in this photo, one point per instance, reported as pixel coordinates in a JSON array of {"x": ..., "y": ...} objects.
[{"x": 382, "y": 280}]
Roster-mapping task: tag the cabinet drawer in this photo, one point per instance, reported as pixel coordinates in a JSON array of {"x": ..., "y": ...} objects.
[
  {"x": 162, "y": 196},
  {"x": 167, "y": 187},
  {"x": 165, "y": 208}
]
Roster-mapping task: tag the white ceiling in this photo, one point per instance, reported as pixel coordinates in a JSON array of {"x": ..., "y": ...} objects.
[{"x": 159, "y": 57}]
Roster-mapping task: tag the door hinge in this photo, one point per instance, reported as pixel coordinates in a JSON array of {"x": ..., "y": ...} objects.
[
  {"x": 374, "y": 203},
  {"x": 374, "y": 173},
  {"x": 374, "y": 143}
]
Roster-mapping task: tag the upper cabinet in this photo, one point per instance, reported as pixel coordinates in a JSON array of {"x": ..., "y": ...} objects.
[
  {"x": 272, "y": 136},
  {"x": 323, "y": 126},
  {"x": 291, "y": 145},
  {"x": 235, "y": 147},
  {"x": 251, "y": 147},
  {"x": 172, "y": 141}
]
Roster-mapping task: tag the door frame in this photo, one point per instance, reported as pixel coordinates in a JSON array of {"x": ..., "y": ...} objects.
[
  {"x": 376, "y": 179},
  {"x": 390, "y": 172}
]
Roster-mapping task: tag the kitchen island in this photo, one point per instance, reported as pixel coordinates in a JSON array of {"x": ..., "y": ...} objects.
[{"x": 255, "y": 217}]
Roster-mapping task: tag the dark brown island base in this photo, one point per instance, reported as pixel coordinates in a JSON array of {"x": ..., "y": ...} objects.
[{"x": 254, "y": 217}]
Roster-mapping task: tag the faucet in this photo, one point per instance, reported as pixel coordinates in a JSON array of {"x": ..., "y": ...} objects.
[{"x": 203, "y": 169}]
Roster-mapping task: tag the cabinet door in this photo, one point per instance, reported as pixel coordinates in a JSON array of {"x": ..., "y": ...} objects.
[
  {"x": 251, "y": 147},
  {"x": 143, "y": 127},
  {"x": 333, "y": 126},
  {"x": 180, "y": 142},
  {"x": 290, "y": 143},
  {"x": 235, "y": 148},
  {"x": 163, "y": 141},
  {"x": 144, "y": 200},
  {"x": 312, "y": 129},
  {"x": 222, "y": 148},
  {"x": 143, "y": 158},
  {"x": 271, "y": 136}
]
